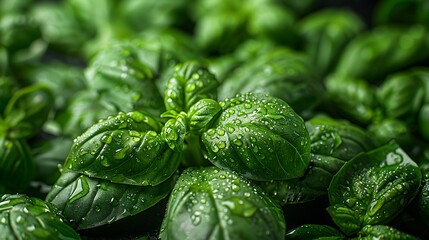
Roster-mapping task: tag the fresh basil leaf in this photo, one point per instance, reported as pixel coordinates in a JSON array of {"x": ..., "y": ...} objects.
[
  {"x": 280, "y": 72},
  {"x": 260, "y": 137},
  {"x": 383, "y": 50},
  {"x": 352, "y": 98},
  {"x": 23, "y": 217},
  {"x": 175, "y": 130},
  {"x": 326, "y": 33},
  {"x": 118, "y": 73},
  {"x": 28, "y": 110},
  {"x": 189, "y": 83},
  {"x": 209, "y": 203},
  {"x": 7, "y": 89},
  {"x": 16, "y": 164},
  {"x": 401, "y": 96},
  {"x": 383, "y": 232},
  {"x": 373, "y": 188},
  {"x": 390, "y": 12},
  {"x": 387, "y": 129},
  {"x": 90, "y": 202},
  {"x": 127, "y": 148},
  {"x": 333, "y": 142},
  {"x": 423, "y": 200},
  {"x": 314, "y": 231},
  {"x": 202, "y": 114}
]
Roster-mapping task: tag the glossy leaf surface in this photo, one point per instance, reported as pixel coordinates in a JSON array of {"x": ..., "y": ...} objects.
[
  {"x": 127, "y": 148},
  {"x": 373, "y": 188},
  {"x": 383, "y": 232},
  {"x": 260, "y": 137},
  {"x": 333, "y": 142},
  {"x": 23, "y": 217},
  {"x": 209, "y": 203},
  {"x": 90, "y": 202},
  {"x": 313, "y": 231}
]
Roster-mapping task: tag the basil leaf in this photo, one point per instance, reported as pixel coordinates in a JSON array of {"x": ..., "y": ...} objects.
[
  {"x": 352, "y": 98},
  {"x": 383, "y": 50},
  {"x": 175, "y": 130},
  {"x": 202, "y": 114},
  {"x": 401, "y": 95},
  {"x": 423, "y": 200},
  {"x": 90, "y": 202},
  {"x": 280, "y": 72},
  {"x": 259, "y": 137},
  {"x": 208, "y": 203},
  {"x": 373, "y": 188},
  {"x": 326, "y": 33},
  {"x": 118, "y": 73},
  {"x": 189, "y": 83},
  {"x": 23, "y": 217},
  {"x": 383, "y": 232},
  {"x": 124, "y": 149},
  {"x": 16, "y": 164},
  {"x": 28, "y": 110},
  {"x": 313, "y": 231},
  {"x": 333, "y": 142}
]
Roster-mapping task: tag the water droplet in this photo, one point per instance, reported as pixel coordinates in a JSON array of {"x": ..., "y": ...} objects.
[
  {"x": 121, "y": 153},
  {"x": 81, "y": 189},
  {"x": 222, "y": 144}
]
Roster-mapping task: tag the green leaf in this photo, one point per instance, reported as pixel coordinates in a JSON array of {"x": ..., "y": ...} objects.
[
  {"x": 90, "y": 202},
  {"x": 333, "y": 142},
  {"x": 373, "y": 188},
  {"x": 28, "y": 110},
  {"x": 208, "y": 203},
  {"x": 23, "y": 217},
  {"x": 280, "y": 72},
  {"x": 127, "y": 149},
  {"x": 314, "y": 231},
  {"x": 175, "y": 130},
  {"x": 202, "y": 114},
  {"x": 326, "y": 33},
  {"x": 190, "y": 83},
  {"x": 16, "y": 164},
  {"x": 383, "y": 232},
  {"x": 259, "y": 137},
  {"x": 128, "y": 83},
  {"x": 383, "y": 50},
  {"x": 423, "y": 200},
  {"x": 352, "y": 98},
  {"x": 401, "y": 95}
]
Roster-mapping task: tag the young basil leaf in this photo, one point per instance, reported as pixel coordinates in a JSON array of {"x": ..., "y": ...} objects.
[
  {"x": 127, "y": 149},
  {"x": 373, "y": 188},
  {"x": 314, "y": 231},
  {"x": 208, "y": 203},
  {"x": 28, "y": 110},
  {"x": 175, "y": 130},
  {"x": 189, "y": 83},
  {"x": 23, "y": 217},
  {"x": 90, "y": 202},
  {"x": 280, "y": 72},
  {"x": 16, "y": 164},
  {"x": 202, "y": 114},
  {"x": 383, "y": 232},
  {"x": 389, "y": 12},
  {"x": 326, "y": 33},
  {"x": 333, "y": 142},
  {"x": 260, "y": 137}
]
